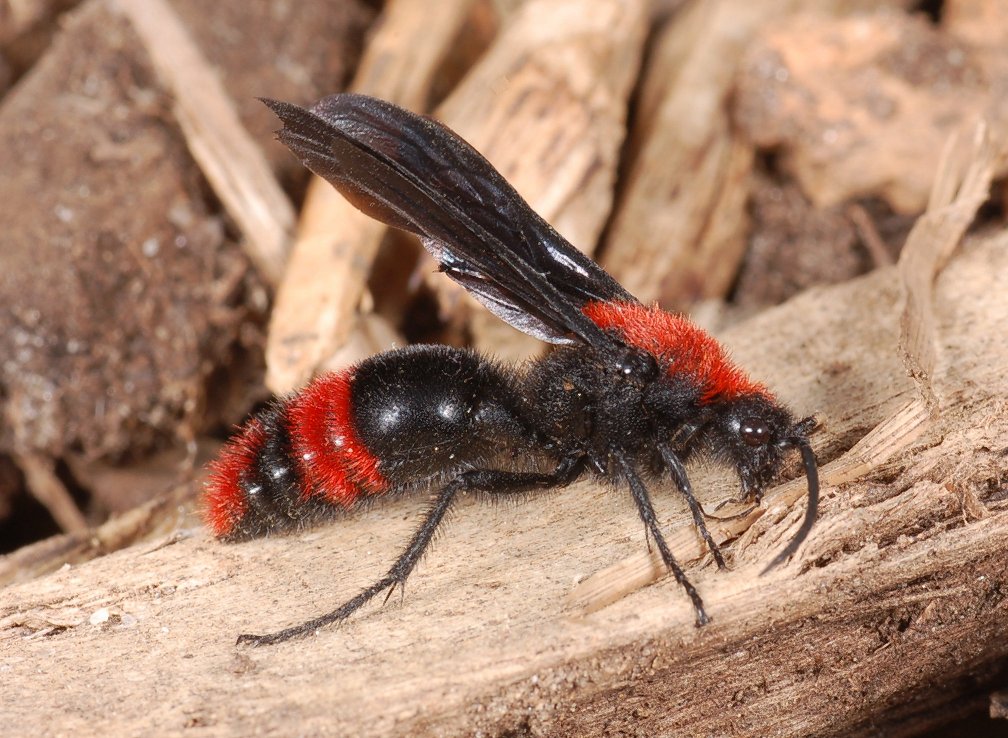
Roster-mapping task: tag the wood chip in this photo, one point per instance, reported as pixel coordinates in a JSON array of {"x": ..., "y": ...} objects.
[
  {"x": 40, "y": 476},
  {"x": 861, "y": 106},
  {"x": 231, "y": 161},
  {"x": 679, "y": 231}
]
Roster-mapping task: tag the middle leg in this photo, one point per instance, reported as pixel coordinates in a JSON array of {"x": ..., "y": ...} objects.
[{"x": 647, "y": 513}]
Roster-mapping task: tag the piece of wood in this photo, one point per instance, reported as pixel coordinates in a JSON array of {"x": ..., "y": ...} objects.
[
  {"x": 853, "y": 110},
  {"x": 335, "y": 245},
  {"x": 49, "y": 490},
  {"x": 680, "y": 226},
  {"x": 19, "y": 17},
  {"x": 686, "y": 173},
  {"x": 977, "y": 22},
  {"x": 892, "y": 614},
  {"x": 158, "y": 516},
  {"x": 233, "y": 164}
]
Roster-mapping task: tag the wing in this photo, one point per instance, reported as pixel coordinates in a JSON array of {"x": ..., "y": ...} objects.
[{"x": 415, "y": 174}]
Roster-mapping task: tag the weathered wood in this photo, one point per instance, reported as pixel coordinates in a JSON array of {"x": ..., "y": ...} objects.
[
  {"x": 681, "y": 225},
  {"x": 895, "y": 610},
  {"x": 687, "y": 173},
  {"x": 546, "y": 104},
  {"x": 48, "y": 489},
  {"x": 18, "y": 17},
  {"x": 232, "y": 162},
  {"x": 853, "y": 111}
]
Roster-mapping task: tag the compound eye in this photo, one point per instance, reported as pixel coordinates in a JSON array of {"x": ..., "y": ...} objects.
[{"x": 755, "y": 432}]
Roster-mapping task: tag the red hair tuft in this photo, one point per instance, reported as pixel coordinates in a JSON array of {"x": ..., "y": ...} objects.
[
  {"x": 682, "y": 347},
  {"x": 224, "y": 501},
  {"x": 334, "y": 462}
]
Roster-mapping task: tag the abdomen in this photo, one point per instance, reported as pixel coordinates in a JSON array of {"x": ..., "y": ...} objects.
[{"x": 396, "y": 420}]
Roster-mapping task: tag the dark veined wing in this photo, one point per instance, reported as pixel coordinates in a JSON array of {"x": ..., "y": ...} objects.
[{"x": 416, "y": 174}]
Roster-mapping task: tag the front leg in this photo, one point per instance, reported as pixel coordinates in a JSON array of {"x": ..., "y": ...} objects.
[
  {"x": 678, "y": 472},
  {"x": 647, "y": 513},
  {"x": 751, "y": 488}
]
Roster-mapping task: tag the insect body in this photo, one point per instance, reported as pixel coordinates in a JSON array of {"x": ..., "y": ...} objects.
[{"x": 630, "y": 394}]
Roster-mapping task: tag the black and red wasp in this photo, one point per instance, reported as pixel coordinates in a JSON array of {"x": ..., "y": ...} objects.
[{"x": 630, "y": 394}]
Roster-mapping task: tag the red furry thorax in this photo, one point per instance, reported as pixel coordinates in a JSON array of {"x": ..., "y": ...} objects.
[{"x": 683, "y": 348}]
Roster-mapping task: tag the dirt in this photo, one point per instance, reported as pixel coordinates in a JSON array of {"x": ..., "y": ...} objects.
[
  {"x": 794, "y": 246},
  {"x": 125, "y": 289},
  {"x": 116, "y": 271}
]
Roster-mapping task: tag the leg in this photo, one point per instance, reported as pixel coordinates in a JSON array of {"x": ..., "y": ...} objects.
[
  {"x": 675, "y": 466},
  {"x": 725, "y": 518},
  {"x": 647, "y": 513},
  {"x": 509, "y": 483},
  {"x": 486, "y": 479},
  {"x": 396, "y": 575}
]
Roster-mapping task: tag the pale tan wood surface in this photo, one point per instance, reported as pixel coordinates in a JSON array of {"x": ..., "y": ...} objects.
[{"x": 895, "y": 596}]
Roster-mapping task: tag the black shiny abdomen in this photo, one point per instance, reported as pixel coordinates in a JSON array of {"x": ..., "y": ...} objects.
[{"x": 426, "y": 411}]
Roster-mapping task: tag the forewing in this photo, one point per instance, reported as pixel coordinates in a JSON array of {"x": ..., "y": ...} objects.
[{"x": 415, "y": 174}]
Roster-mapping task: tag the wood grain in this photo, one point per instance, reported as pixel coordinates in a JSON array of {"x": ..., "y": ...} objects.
[{"x": 894, "y": 614}]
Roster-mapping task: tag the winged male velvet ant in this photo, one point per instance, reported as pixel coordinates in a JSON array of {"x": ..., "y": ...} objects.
[{"x": 631, "y": 393}]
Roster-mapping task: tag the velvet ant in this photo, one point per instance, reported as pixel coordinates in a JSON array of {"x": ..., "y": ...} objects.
[{"x": 631, "y": 393}]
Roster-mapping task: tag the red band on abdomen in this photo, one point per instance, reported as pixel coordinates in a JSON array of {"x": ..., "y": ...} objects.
[
  {"x": 332, "y": 459},
  {"x": 224, "y": 501}
]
